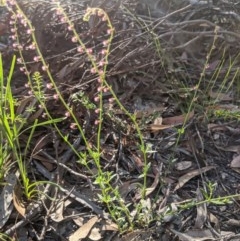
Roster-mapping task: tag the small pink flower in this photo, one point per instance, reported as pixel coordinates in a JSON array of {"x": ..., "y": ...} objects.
[
  {"x": 13, "y": 30},
  {"x": 44, "y": 115},
  {"x": 23, "y": 22},
  {"x": 104, "y": 18},
  {"x": 89, "y": 51},
  {"x": 44, "y": 68},
  {"x": 109, "y": 31},
  {"x": 70, "y": 27},
  {"x": 111, "y": 100},
  {"x": 97, "y": 122},
  {"x": 80, "y": 49},
  {"x": 97, "y": 111},
  {"x": 74, "y": 39},
  {"x": 105, "y": 43},
  {"x": 99, "y": 89},
  {"x": 96, "y": 98},
  {"x": 59, "y": 11},
  {"x": 13, "y": 37},
  {"x": 49, "y": 86},
  {"x": 30, "y": 31},
  {"x": 26, "y": 85},
  {"x": 30, "y": 92},
  {"x": 19, "y": 15},
  {"x": 106, "y": 89},
  {"x": 63, "y": 20},
  {"x": 101, "y": 63},
  {"x": 36, "y": 58},
  {"x": 67, "y": 114},
  {"x": 32, "y": 46},
  {"x": 73, "y": 126},
  {"x": 55, "y": 97},
  {"x": 22, "y": 69},
  {"x": 104, "y": 51},
  {"x": 11, "y": 22},
  {"x": 93, "y": 70},
  {"x": 19, "y": 60},
  {"x": 99, "y": 80}
]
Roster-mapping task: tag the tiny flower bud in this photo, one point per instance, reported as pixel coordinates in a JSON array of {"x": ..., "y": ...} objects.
[
  {"x": 36, "y": 58},
  {"x": 89, "y": 51},
  {"x": 32, "y": 46},
  {"x": 104, "y": 18},
  {"x": 13, "y": 37},
  {"x": 96, "y": 98},
  {"x": 70, "y": 27},
  {"x": 104, "y": 51},
  {"x": 99, "y": 89},
  {"x": 106, "y": 89},
  {"x": 109, "y": 31},
  {"x": 74, "y": 39},
  {"x": 19, "y": 60},
  {"x": 30, "y": 31},
  {"x": 55, "y": 97},
  {"x": 63, "y": 20},
  {"x": 97, "y": 122},
  {"x": 80, "y": 49},
  {"x": 99, "y": 80},
  {"x": 97, "y": 111},
  {"x": 93, "y": 70},
  {"x": 105, "y": 43},
  {"x": 73, "y": 126},
  {"x": 44, "y": 68},
  {"x": 111, "y": 100},
  {"x": 67, "y": 114},
  {"x": 49, "y": 86}
]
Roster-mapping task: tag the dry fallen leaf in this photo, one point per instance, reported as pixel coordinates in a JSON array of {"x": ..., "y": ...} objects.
[
  {"x": 95, "y": 234},
  {"x": 195, "y": 235},
  {"x": 183, "y": 165},
  {"x": 185, "y": 178},
  {"x": 177, "y": 120},
  {"x": 219, "y": 96},
  {"x": 84, "y": 230},
  {"x": 17, "y": 200},
  {"x": 6, "y": 198},
  {"x": 235, "y": 163},
  {"x": 201, "y": 211}
]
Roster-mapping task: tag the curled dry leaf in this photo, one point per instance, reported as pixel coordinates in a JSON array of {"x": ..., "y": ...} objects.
[
  {"x": 185, "y": 178},
  {"x": 84, "y": 230},
  {"x": 195, "y": 235},
  {"x": 178, "y": 120},
  {"x": 17, "y": 202}
]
